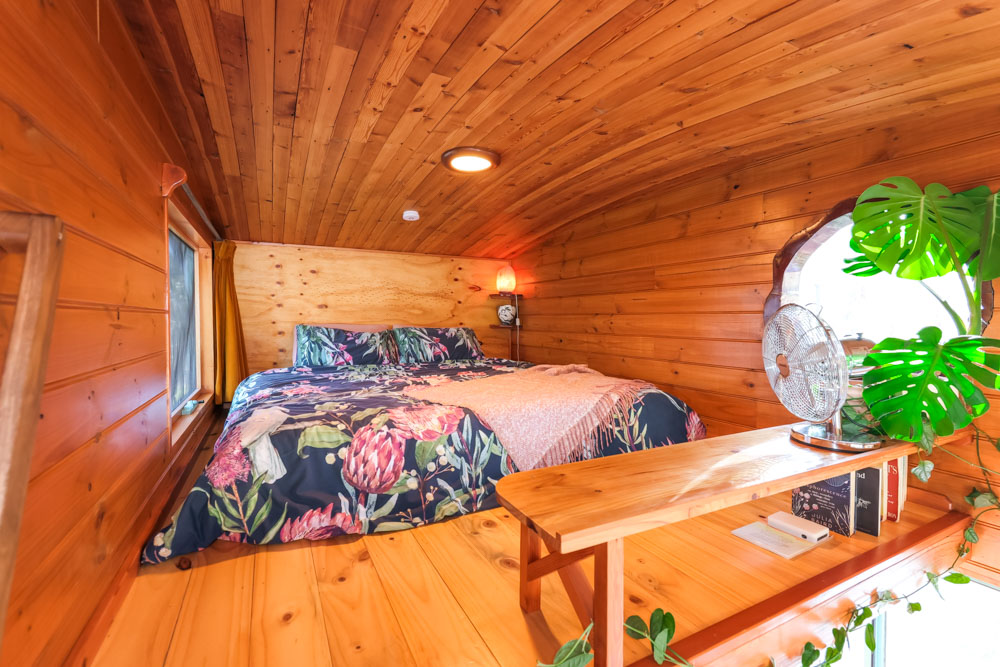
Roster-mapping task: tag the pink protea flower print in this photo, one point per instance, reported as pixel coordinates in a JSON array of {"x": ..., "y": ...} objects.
[
  {"x": 426, "y": 422},
  {"x": 229, "y": 465},
  {"x": 318, "y": 524},
  {"x": 300, "y": 390},
  {"x": 374, "y": 459},
  {"x": 695, "y": 427}
]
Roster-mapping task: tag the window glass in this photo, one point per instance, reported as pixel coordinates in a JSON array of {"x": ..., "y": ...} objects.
[
  {"x": 876, "y": 306},
  {"x": 956, "y": 630},
  {"x": 183, "y": 323}
]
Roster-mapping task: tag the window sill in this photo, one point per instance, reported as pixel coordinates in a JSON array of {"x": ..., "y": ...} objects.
[{"x": 182, "y": 425}]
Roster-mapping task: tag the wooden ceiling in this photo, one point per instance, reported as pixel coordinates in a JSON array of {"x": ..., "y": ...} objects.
[{"x": 319, "y": 122}]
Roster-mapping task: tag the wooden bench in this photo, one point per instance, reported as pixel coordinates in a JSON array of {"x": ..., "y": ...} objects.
[{"x": 588, "y": 507}]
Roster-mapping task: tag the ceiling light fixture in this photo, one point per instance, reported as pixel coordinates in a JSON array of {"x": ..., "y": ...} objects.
[{"x": 470, "y": 159}]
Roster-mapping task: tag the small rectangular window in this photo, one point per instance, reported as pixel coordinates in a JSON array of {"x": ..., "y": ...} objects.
[{"x": 183, "y": 323}]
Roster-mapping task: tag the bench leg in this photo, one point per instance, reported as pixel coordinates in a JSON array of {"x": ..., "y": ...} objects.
[
  {"x": 608, "y": 635},
  {"x": 531, "y": 589}
]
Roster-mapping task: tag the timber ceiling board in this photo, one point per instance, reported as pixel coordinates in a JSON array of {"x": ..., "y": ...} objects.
[{"x": 319, "y": 121}]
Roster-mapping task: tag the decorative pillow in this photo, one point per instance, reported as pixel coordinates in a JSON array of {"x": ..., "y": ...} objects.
[
  {"x": 354, "y": 328},
  {"x": 323, "y": 346},
  {"x": 421, "y": 344}
]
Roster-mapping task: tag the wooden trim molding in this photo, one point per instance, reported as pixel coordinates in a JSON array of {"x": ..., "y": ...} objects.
[{"x": 24, "y": 372}]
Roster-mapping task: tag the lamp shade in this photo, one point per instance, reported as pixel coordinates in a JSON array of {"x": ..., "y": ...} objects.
[{"x": 506, "y": 280}]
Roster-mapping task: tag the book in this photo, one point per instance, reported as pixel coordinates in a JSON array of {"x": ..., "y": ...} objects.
[
  {"x": 868, "y": 500},
  {"x": 829, "y": 503},
  {"x": 894, "y": 494}
]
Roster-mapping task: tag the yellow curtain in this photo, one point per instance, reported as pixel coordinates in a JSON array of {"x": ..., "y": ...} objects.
[{"x": 230, "y": 350}]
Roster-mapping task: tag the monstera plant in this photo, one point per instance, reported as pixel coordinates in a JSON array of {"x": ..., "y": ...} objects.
[{"x": 926, "y": 382}]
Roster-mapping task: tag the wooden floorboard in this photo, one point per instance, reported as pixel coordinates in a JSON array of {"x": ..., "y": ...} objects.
[{"x": 444, "y": 594}]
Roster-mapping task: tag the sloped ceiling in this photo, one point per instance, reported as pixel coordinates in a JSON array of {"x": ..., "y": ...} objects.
[{"x": 320, "y": 121}]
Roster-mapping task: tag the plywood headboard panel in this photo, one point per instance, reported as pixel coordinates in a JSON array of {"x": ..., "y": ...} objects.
[{"x": 280, "y": 286}]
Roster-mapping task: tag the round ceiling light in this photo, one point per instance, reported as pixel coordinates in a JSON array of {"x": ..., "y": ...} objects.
[{"x": 470, "y": 159}]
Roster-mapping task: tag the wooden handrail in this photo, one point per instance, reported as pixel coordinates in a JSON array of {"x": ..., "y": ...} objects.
[{"x": 41, "y": 239}]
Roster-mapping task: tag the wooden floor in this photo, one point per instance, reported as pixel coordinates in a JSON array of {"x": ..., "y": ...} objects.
[{"x": 444, "y": 594}]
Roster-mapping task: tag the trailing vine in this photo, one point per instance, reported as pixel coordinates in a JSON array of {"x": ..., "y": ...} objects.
[{"x": 984, "y": 500}]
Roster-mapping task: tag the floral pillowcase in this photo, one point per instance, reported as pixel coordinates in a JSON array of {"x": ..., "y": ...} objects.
[
  {"x": 423, "y": 344},
  {"x": 323, "y": 346}
]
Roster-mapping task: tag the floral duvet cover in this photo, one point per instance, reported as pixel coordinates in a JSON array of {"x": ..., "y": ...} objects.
[{"x": 312, "y": 453}]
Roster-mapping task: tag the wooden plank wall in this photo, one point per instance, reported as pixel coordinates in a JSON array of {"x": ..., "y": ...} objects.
[
  {"x": 84, "y": 138},
  {"x": 280, "y": 286},
  {"x": 670, "y": 287}
]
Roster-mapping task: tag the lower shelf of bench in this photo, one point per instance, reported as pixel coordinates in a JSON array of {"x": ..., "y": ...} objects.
[{"x": 737, "y": 604}]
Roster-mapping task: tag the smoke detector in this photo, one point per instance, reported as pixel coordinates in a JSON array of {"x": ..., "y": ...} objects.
[{"x": 411, "y": 216}]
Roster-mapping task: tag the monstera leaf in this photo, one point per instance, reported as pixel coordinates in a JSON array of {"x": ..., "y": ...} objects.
[
  {"x": 860, "y": 265},
  {"x": 906, "y": 231},
  {"x": 922, "y": 375},
  {"x": 987, "y": 209}
]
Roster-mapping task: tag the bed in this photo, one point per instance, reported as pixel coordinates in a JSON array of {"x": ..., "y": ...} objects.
[{"x": 312, "y": 452}]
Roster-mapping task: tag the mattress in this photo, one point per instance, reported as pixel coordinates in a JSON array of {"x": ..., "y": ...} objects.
[{"x": 313, "y": 453}]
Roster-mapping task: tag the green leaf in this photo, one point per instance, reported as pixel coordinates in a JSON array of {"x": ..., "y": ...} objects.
[
  {"x": 361, "y": 414},
  {"x": 913, "y": 607},
  {"x": 450, "y": 506},
  {"x": 957, "y": 578},
  {"x": 839, "y": 638},
  {"x": 660, "y": 642},
  {"x": 574, "y": 653},
  {"x": 392, "y": 526},
  {"x": 922, "y": 470},
  {"x": 669, "y": 625},
  {"x": 251, "y": 496},
  {"x": 387, "y": 507},
  {"x": 321, "y": 437},
  {"x": 276, "y": 527},
  {"x": 905, "y": 230},
  {"x": 923, "y": 376},
  {"x": 870, "y": 636},
  {"x": 656, "y": 622},
  {"x": 261, "y": 515},
  {"x": 400, "y": 486},
  {"x": 426, "y": 451},
  {"x": 970, "y": 535},
  {"x": 636, "y": 628},
  {"x": 987, "y": 209},
  {"x": 809, "y": 654},
  {"x": 926, "y": 442},
  {"x": 861, "y": 617},
  {"x": 985, "y": 500},
  {"x": 860, "y": 265},
  {"x": 933, "y": 579}
]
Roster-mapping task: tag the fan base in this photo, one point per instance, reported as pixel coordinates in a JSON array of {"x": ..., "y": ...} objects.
[{"x": 821, "y": 435}]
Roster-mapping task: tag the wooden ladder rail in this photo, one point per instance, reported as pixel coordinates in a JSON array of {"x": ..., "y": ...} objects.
[{"x": 40, "y": 237}]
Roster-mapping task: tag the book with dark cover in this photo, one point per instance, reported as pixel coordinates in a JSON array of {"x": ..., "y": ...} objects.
[
  {"x": 868, "y": 500},
  {"x": 829, "y": 503}
]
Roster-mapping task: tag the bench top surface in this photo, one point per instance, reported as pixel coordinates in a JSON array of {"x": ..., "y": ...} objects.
[{"x": 582, "y": 504}]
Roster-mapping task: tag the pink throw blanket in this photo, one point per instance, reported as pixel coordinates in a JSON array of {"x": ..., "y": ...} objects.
[{"x": 543, "y": 415}]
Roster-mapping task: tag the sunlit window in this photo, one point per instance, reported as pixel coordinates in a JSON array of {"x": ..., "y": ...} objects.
[
  {"x": 876, "y": 306},
  {"x": 955, "y": 628},
  {"x": 183, "y": 323}
]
